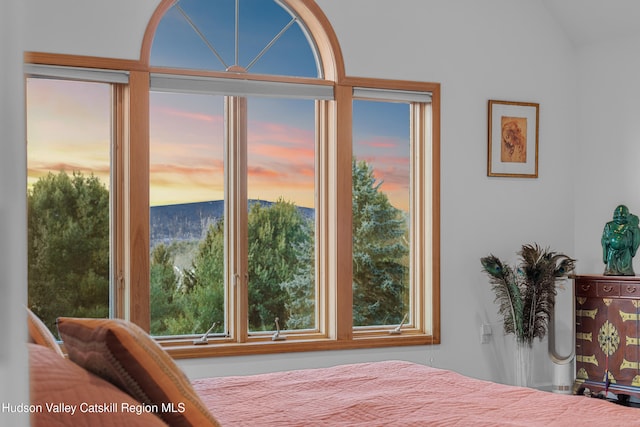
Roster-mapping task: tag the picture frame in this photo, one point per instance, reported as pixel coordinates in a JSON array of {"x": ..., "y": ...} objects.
[{"x": 513, "y": 139}]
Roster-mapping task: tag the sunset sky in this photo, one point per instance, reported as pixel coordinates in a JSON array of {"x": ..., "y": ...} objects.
[
  {"x": 68, "y": 123},
  {"x": 68, "y": 128}
]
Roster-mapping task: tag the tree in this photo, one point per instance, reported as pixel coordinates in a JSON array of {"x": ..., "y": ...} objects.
[
  {"x": 199, "y": 300},
  {"x": 281, "y": 264},
  {"x": 277, "y": 234},
  {"x": 68, "y": 247},
  {"x": 380, "y": 251},
  {"x": 301, "y": 288},
  {"x": 163, "y": 283},
  {"x": 280, "y": 239}
]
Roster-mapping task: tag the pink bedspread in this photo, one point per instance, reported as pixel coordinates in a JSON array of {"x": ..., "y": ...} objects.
[{"x": 396, "y": 394}]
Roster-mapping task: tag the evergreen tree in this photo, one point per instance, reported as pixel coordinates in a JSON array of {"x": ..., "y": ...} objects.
[
  {"x": 301, "y": 288},
  {"x": 282, "y": 266},
  {"x": 276, "y": 235},
  {"x": 163, "y": 288},
  {"x": 380, "y": 260},
  {"x": 68, "y": 247},
  {"x": 380, "y": 250},
  {"x": 200, "y": 299}
]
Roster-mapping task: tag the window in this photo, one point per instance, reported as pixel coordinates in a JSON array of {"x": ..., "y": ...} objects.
[
  {"x": 253, "y": 222},
  {"x": 281, "y": 177},
  {"x": 71, "y": 225},
  {"x": 263, "y": 202},
  {"x": 391, "y": 152},
  {"x": 234, "y": 35},
  {"x": 186, "y": 182},
  {"x": 381, "y": 213}
]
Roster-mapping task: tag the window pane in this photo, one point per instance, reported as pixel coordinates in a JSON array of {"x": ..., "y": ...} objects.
[
  {"x": 201, "y": 34},
  {"x": 68, "y": 160},
  {"x": 381, "y": 206},
  {"x": 280, "y": 187},
  {"x": 187, "y": 213}
]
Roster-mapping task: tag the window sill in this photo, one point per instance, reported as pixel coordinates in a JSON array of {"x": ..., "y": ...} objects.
[{"x": 220, "y": 349}]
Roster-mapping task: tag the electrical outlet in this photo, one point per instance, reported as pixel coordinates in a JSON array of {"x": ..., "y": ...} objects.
[{"x": 485, "y": 334}]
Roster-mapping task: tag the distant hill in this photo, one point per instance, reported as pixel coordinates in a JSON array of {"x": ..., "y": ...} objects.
[{"x": 190, "y": 221}]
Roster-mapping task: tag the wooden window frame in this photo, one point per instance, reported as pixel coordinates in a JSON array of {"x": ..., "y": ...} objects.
[{"x": 333, "y": 187}]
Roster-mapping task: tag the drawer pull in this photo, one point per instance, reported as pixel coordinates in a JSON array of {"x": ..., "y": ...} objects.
[
  {"x": 586, "y": 287},
  {"x": 631, "y": 289},
  {"x": 607, "y": 288}
]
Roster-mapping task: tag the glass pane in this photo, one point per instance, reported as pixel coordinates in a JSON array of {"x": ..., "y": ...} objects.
[
  {"x": 381, "y": 206},
  {"x": 281, "y": 177},
  {"x": 201, "y": 34},
  {"x": 68, "y": 161},
  {"x": 187, "y": 213}
]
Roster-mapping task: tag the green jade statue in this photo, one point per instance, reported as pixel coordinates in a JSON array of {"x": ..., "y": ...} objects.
[{"x": 620, "y": 241}]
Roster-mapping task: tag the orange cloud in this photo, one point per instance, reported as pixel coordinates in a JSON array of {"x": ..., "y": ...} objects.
[
  {"x": 262, "y": 173},
  {"x": 281, "y": 153},
  {"x": 213, "y": 168},
  {"x": 188, "y": 154},
  {"x": 380, "y": 142},
  {"x": 192, "y": 116},
  {"x": 279, "y": 133}
]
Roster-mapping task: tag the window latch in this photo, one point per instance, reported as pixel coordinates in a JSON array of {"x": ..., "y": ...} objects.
[
  {"x": 204, "y": 339},
  {"x": 398, "y": 329},
  {"x": 276, "y": 336}
]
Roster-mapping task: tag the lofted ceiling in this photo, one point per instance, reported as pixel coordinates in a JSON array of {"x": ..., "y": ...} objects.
[{"x": 591, "y": 21}]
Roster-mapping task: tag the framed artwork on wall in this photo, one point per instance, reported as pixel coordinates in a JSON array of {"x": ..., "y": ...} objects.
[{"x": 513, "y": 139}]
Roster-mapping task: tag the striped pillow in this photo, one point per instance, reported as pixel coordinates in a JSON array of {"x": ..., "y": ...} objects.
[
  {"x": 125, "y": 355},
  {"x": 53, "y": 380},
  {"x": 40, "y": 334}
]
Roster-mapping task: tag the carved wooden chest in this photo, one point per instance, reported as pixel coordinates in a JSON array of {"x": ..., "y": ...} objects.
[{"x": 607, "y": 333}]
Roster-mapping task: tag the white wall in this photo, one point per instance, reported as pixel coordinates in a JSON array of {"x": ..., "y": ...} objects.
[
  {"x": 608, "y": 170},
  {"x": 110, "y": 29},
  {"x": 494, "y": 49},
  {"x": 13, "y": 265},
  {"x": 478, "y": 51}
]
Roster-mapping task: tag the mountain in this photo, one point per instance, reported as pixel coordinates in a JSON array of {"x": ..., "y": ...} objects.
[{"x": 190, "y": 221}]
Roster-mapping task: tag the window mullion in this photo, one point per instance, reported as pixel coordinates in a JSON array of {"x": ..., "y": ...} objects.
[
  {"x": 136, "y": 211},
  {"x": 431, "y": 218},
  {"x": 236, "y": 230},
  {"x": 323, "y": 250},
  {"x": 341, "y": 203},
  {"x": 417, "y": 213},
  {"x": 118, "y": 125}
]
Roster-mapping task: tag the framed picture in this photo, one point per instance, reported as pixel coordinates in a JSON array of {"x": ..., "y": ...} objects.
[{"x": 513, "y": 139}]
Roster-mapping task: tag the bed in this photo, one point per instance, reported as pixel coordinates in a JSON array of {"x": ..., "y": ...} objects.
[
  {"x": 114, "y": 362},
  {"x": 396, "y": 393}
]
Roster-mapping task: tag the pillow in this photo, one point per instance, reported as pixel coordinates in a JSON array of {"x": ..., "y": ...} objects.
[
  {"x": 125, "y": 355},
  {"x": 55, "y": 380},
  {"x": 40, "y": 334}
]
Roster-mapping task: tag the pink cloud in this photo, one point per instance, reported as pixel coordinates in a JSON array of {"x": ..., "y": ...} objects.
[
  {"x": 214, "y": 168},
  {"x": 43, "y": 168},
  {"x": 188, "y": 153},
  {"x": 261, "y": 173},
  {"x": 201, "y": 117},
  {"x": 279, "y": 133},
  {"x": 281, "y": 153},
  {"x": 379, "y": 143}
]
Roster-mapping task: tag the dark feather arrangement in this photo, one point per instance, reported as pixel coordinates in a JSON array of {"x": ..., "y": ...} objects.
[{"x": 526, "y": 296}]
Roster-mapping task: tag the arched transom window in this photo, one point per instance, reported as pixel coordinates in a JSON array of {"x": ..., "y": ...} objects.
[
  {"x": 252, "y": 193},
  {"x": 253, "y": 36}
]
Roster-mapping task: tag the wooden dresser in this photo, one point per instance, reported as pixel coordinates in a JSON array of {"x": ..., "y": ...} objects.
[{"x": 607, "y": 324}]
